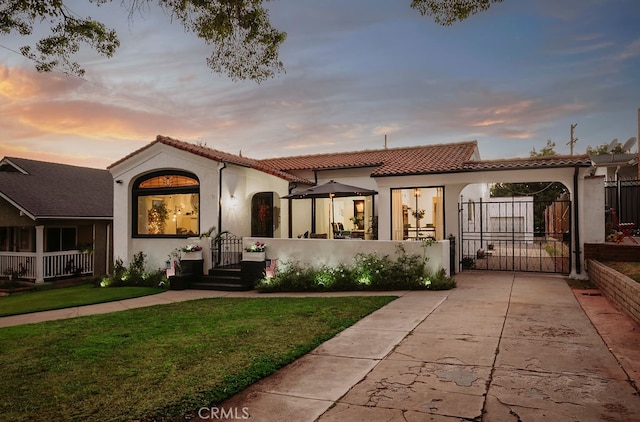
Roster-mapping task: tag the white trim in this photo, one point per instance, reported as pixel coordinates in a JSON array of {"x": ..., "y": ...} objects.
[
  {"x": 15, "y": 204},
  {"x": 14, "y": 165}
]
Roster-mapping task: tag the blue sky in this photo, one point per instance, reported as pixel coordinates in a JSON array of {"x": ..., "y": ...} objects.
[{"x": 510, "y": 78}]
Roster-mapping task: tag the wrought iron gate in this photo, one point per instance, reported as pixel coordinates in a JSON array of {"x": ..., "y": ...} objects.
[
  {"x": 515, "y": 234},
  {"x": 226, "y": 251}
]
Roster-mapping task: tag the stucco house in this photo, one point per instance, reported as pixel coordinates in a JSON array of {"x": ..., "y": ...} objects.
[
  {"x": 55, "y": 220},
  {"x": 170, "y": 191}
]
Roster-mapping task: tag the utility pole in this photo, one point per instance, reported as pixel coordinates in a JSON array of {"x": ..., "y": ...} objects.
[{"x": 573, "y": 140}]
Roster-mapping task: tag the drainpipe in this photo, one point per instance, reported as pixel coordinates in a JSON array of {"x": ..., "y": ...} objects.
[
  {"x": 576, "y": 225},
  {"x": 292, "y": 186},
  {"x": 221, "y": 167},
  {"x": 313, "y": 204}
]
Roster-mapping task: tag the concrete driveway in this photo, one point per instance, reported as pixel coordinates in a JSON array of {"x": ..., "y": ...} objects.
[{"x": 500, "y": 347}]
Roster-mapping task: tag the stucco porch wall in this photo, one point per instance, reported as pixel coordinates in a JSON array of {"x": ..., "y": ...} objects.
[{"x": 318, "y": 252}]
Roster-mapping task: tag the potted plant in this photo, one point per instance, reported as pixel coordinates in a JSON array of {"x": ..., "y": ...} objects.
[
  {"x": 157, "y": 218},
  {"x": 191, "y": 252},
  {"x": 418, "y": 215},
  {"x": 255, "y": 252}
]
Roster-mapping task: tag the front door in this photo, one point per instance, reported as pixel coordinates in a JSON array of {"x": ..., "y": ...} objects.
[{"x": 262, "y": 215}]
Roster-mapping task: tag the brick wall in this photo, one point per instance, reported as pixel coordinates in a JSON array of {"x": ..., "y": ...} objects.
[
  {"x": 611, "y": 252},
  {"x": 618, "y": 288}
]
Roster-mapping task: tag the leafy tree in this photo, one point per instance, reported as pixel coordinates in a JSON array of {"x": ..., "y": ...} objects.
[
  {"x": 543, "y": 193},
  {"x": 245, "y": 45},
  {"x": 448, "y": 12},
  {"x": 604, "y": 149},
  {"x": 545, "y": 151}
]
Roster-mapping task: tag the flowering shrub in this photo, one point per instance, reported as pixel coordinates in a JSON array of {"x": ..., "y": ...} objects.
[
  {"x": 134, "y": 275},
  {"x": 257, "y": 247},
  {"x": 367, "y": 272},
  {"x": 191, "y": 248}
]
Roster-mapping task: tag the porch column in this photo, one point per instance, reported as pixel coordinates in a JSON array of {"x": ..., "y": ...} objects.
[{"x": 39, "y": 254}]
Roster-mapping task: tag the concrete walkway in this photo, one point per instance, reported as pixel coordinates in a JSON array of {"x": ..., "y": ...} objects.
[{"x": 500, "y": 347}]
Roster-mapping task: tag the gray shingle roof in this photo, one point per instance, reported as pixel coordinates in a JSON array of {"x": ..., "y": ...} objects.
[{"x": 51, "y": 190}]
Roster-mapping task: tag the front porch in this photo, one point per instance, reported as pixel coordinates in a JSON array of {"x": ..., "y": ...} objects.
[{"x": 40, "y": 267}]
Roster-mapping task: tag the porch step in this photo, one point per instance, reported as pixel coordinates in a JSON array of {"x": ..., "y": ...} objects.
[
  {"x": 219, "y": 283},
  {"x": 226, "y": 279},
  {"x": 225, "y": 272}
]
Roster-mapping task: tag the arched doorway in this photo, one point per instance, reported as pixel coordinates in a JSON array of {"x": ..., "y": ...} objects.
[
  {"x": 517, "y": 231},
  {"x": 263, "y": 215}
]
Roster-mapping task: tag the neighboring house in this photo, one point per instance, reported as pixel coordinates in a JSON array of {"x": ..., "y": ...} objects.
[
  {"x": 55, "y": 220},
  {"x": 170, "y": 191},
  {"x": 616, "y": 166}
]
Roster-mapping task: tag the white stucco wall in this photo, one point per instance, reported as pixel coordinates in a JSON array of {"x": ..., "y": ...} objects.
[
  {"x": 590, "y": 194},
  {"x": 319, "y": 252},
  {"x": 592, "y": 210},
  {"x": 240, "y": 182}
]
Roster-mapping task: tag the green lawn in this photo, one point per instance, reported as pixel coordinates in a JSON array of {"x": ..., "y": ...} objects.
[
  {"x": 161, "y": 361},
  {"x": 67, "y": 297}
]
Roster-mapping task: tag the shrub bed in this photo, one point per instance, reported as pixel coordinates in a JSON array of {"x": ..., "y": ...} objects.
[{"x": 367, "y": 272}]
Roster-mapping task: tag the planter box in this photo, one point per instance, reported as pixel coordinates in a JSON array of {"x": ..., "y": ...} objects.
[
  {"x": 191, "y": 256},
  {"x": 251, "y": 272},
  {"x": 253, "y": 256},
  {"x": 179, "y": 282}
]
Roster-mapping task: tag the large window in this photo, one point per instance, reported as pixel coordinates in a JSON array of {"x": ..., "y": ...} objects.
[
  {"x": 60, "y": 239},
  {"x": 417, "y": 213},
  {"x": 166, "y": 204},
  {"x": 18, "y": 239}
]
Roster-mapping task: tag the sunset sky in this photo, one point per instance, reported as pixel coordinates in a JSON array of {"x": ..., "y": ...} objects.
[{"x": 510, "y": 78}]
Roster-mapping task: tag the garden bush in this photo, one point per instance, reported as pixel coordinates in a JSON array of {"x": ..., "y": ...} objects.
[
  {"x": 135, "y": 275},
  {"x": 367, "y": 272}
]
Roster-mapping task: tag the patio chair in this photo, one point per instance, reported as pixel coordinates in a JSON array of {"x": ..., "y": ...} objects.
[{"x": 624, "y": 228}]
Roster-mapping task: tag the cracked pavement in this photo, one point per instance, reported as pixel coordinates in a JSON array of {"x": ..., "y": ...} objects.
[{"x": 499, "y": 347}]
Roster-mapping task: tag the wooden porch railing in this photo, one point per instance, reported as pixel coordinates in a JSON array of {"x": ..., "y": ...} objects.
[{"x": 53, "y": 264}]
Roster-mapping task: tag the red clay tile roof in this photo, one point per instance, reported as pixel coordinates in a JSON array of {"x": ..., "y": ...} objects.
[
  {"x": 388, "y": 162},
  {"x": 404, "y": 161},
  {"x": 216, "y": 155},
  {"x": 549, "y": 161}
]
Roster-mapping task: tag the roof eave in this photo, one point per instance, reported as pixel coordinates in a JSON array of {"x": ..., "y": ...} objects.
[{"x": 18, "y": 206}]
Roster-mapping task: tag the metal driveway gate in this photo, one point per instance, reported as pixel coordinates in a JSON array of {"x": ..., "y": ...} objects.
[{"x": 515, "y": 234}]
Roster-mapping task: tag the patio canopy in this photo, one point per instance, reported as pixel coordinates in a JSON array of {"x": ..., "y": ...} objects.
[{"x": 331, "y": 189}]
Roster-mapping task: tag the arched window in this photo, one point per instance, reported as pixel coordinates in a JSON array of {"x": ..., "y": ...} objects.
[{"x": 166, "y": 204}]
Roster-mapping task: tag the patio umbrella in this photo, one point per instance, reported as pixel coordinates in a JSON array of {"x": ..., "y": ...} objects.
[{"x": 331, "y": 189}]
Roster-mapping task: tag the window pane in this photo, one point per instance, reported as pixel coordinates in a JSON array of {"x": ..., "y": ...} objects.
[
  {"x": 417, "y": 213},
  {"x": 26, "y": 239},
  {"x": 175, "y": 214},
  {"x": 68, "y": 238},
  {"x": 168, "y": 181},
  {"x": 53, "y": 239}
]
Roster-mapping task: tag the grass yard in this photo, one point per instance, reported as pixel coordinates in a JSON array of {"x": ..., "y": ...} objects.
[
  {"x": 630, "y": 269},
  {"x": 67, "y": 297},
  {"x": 161, "y": 361}
]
